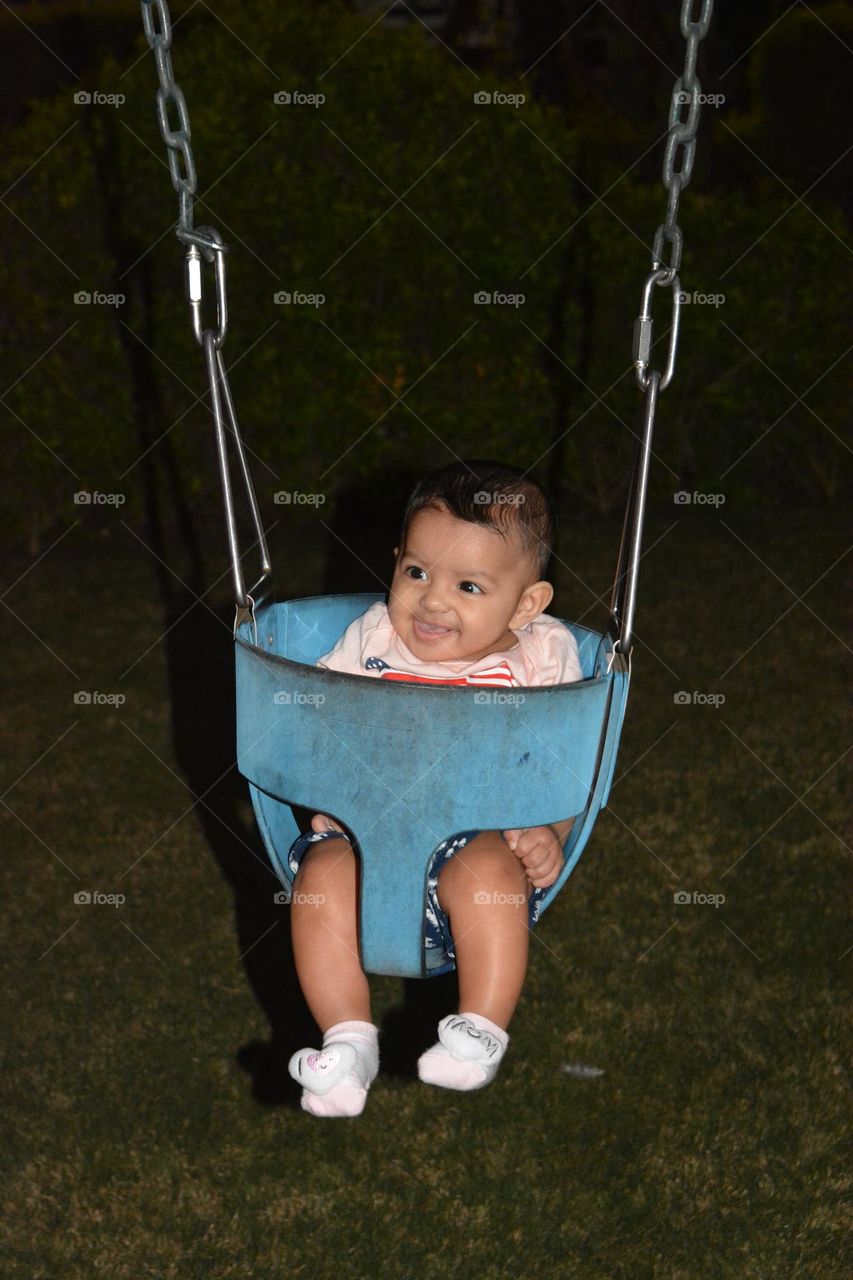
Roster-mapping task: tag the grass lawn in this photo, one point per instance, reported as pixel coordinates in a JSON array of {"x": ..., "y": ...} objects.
[{"x": 151, "y": 1130}]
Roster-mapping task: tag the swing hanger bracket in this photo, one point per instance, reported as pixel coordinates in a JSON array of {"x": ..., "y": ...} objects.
[
  {"x": 644, "y": 328},
  {"x": 246, "y": 613},
  {"x": 617, "y": 656}
]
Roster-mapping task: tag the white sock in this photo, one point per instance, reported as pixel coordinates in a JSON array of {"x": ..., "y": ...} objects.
[
  {"x": 337, "y": 1077},
  {"x": 467, "y": 1055}
]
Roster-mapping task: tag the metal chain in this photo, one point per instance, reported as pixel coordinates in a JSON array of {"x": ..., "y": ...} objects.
[
  {"x": 678, "y": 164},
  {"x": 207, "y": 243},
  {"x": 679, "y": 153},
  {"x": 678, "y": 159},
  {"x": 157, "y": 25}
]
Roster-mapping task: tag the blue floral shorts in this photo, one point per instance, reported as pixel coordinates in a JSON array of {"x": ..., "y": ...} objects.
[{"x": 438, "y": 940}]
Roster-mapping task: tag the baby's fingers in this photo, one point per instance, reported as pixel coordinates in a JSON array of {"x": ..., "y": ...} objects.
[
  {"x": 543, "y": 877},
  {"x": 322, "y": 822},
  {"x": 536, "y": 862}
]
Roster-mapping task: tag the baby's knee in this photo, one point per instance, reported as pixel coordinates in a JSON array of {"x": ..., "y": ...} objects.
[
  {"x": 492, "y": 856},
  {"x": 486, "y": 863},
  {"x": 328, "y": 863}
]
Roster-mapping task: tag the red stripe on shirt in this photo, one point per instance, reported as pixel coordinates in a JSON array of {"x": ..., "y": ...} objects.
[{"x": 495, "y": 677}]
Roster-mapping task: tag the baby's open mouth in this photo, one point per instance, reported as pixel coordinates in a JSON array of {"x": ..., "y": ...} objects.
[{"x": 428, "y": 630}]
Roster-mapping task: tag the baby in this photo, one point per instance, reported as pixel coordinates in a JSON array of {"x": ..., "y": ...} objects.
[{"x": 466, "y": 607}]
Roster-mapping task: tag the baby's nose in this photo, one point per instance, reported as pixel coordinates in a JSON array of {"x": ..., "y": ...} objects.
[{"x": 433, "y": 598}]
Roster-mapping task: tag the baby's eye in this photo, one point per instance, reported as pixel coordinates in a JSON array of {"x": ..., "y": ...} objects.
[
  {"x": 470, "y": 588},
  {"x": 414, "y": 571}
]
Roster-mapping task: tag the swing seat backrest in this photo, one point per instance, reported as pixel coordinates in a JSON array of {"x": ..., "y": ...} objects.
[{"x": 403, "y": 766}]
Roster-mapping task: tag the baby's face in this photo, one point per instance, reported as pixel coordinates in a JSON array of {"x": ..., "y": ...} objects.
[{"x": 459, "y": 588}]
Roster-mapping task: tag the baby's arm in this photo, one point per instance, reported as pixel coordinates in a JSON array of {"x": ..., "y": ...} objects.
[{"x": 541, "y": 850}]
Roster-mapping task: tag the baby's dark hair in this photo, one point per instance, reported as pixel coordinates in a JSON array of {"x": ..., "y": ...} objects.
[{"x": 489, "y": 493}]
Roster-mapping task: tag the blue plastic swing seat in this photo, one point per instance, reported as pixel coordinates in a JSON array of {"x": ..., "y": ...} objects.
[{"x": 404, "y": 766}]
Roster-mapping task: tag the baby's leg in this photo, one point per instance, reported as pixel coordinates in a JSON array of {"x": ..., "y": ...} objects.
[
  {"x": 325, "y": 935},
  {"x": 325, "y": 947},
  {"x": 484, "y": 891}
]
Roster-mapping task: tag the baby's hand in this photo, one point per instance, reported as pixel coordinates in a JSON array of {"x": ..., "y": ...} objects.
[
  {"x": 322, "y": 822},
  {"x": 540, "y": 850}
]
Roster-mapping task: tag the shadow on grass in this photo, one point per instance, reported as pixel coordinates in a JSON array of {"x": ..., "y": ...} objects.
[{"x": 200, "y": 664}]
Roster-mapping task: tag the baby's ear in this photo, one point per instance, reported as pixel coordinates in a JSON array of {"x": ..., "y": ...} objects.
[{"x": 534, "y": 600}]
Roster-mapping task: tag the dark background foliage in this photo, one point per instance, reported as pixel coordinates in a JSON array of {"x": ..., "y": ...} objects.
[{"x": 399, "y": 368}]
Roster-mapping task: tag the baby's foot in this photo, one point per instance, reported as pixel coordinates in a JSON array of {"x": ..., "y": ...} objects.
[
  {"x": 468, "y": 1054},
  {"x": 336, "y": 1078}
]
